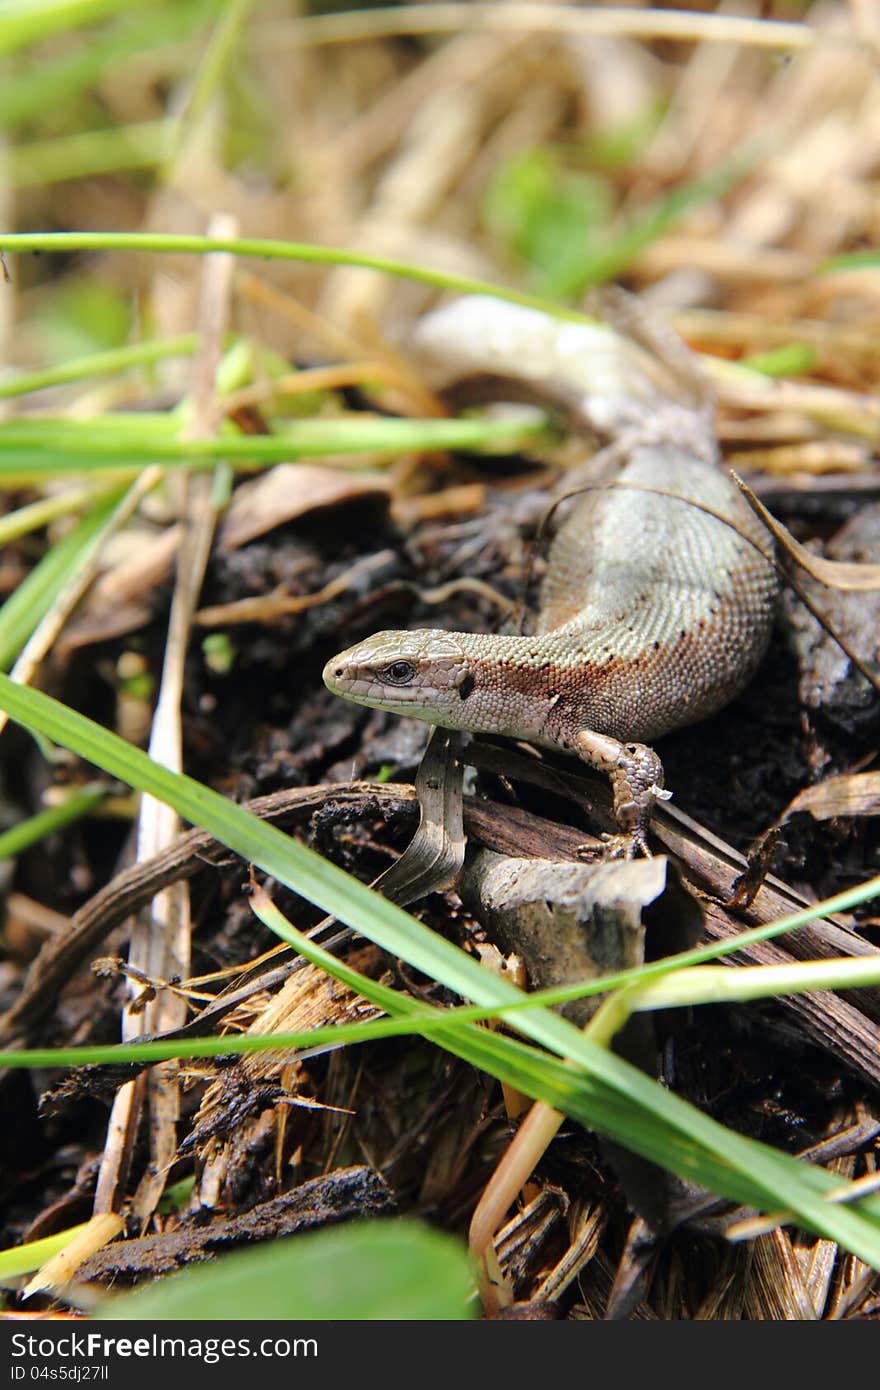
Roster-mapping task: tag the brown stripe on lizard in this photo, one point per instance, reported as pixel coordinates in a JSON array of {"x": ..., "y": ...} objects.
[{"x": 659, "y": 593}]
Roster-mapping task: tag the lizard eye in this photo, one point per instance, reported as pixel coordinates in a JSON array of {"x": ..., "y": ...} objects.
[{"x": 399, "y": 673}]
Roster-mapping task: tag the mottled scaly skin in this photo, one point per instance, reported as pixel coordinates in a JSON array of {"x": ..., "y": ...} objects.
[
  {"x": 667, "y": 609},
  {"x": 653, "y": 615}
]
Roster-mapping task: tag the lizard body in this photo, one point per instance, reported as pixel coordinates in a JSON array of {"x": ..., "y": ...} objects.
[{"x": 653, "y": 614}]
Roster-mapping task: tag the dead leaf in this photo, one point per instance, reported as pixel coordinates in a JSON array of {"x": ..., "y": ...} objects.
[
  {"x": 850, "y": 794},
  {"x": 289, "y": 491},
  {"x": 834, "y": 574}
]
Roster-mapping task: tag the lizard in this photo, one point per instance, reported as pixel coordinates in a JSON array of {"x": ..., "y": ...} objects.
[{"x": 655, "y": 609}]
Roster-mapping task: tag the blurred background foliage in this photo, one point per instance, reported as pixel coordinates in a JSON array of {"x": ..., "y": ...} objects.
[{"x": 709, "y": 173}]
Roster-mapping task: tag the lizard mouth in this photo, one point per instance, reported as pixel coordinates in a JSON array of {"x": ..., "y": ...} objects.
[
  {"x": 367, "y": 687},
  {"x": 332, "y": 675}
]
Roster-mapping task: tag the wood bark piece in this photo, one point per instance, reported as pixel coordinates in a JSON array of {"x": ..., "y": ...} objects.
[
  {"x": 573, "y": 922},
  {"x": 346, "y": 1195}
]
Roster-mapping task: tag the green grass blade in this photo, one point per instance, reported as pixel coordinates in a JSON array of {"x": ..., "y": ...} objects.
[
  {"x": 27, "y": 21},
  {"x": 31, "y": 88},
  {"x": 790, "y": 359},
  {"x": 24, "y": 1259},
  {"x": 659, "y": 217},
  {"x": 34, "y": 515},
  {"x": 29, "y": 832},
  {"x": 221, "y": 50},
  {"x": 33, "y": 598},
  {"x": 371, "y": 1270},
  {"x": 583, "y": 1096},
  {"x": 99, "y": 364},
  {"x": 853, "y": 260},
  {"x": 87, "y": 153},
  {"x": 272, "y": 250},
  {"x": 47, "y": 446}
]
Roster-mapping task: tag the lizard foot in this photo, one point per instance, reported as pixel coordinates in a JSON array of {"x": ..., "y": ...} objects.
[
  {"x": 621, "y": 846},
  {"x": 636, "y": 775}
]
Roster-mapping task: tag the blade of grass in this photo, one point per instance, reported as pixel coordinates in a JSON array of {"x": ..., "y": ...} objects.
[
  {"x": 537, "y": 1074},
  {"x": 87, "y": 153},
  {"x": 29, "y": 832},
  {"x": 73, "y": 583},
  {"x": 31, "y": 601},
  {"x": 649, "y": 223},
  {"x": 219, "y": 53},
  {"x": 28, "y": 21},
  {"x": 46, "y": 446},
  {"x": 30, "y": 89},
  {"x": 395, "y": 1003},
  {"x": 853, "y": 260},
  {"x": 559, "y": 994},
  {"x": 36, "y": 514},
  {"x": 789, "y": 359},
  {"x": 474, "y": 1042},
  {"x": 744, "y": 984},
  {"x": 24, "y": 1259},
  {"x": 393, "y": 1268},
  {"x": 66, "y": 242},
  {"x": 98, "y": 364}
]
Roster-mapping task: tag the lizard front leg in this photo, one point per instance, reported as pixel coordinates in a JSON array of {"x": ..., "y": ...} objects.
[{"x": 636, "y": 775}]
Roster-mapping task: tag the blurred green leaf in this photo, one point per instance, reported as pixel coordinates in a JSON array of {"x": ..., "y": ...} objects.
[
  {"x": 218, "y": 651},
  {"x": 28, "y": 604},
  {"x": 98, "y": 364},
  {"x": 563, "y": 225},
  {"x": 83, "y": 316},
  {"x": 27, "y": 21},
  {"x": 85, "y": 153},
  {"x": 791, "y": 359},
  {"x": 29, "y": 832},
  {"x": 50, "y": 89},
  {"x": 854, "y": 260},
  {"x": 619, "y": 146},
  {"x": 373, "y": 1270},
  {"x": 177, "y": 1196},
  {"x": 548, "y": 216}
]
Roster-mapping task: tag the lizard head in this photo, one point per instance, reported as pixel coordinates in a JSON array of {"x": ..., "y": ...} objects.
[{"x": 424, "y": 674}]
